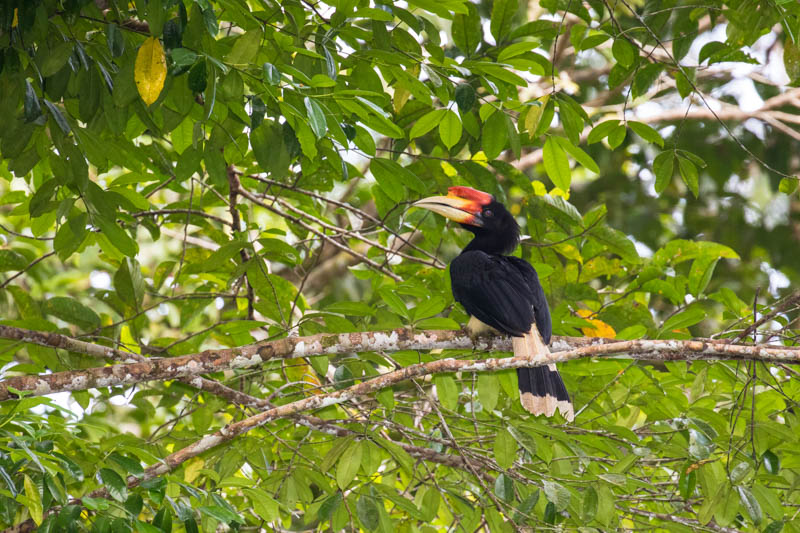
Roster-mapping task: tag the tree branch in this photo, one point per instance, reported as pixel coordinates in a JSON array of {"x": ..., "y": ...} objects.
[{"x": 209, "y": 361}]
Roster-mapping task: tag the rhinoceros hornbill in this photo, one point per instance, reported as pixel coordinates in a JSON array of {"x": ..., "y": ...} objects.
[{"x": 503, "y": 292}]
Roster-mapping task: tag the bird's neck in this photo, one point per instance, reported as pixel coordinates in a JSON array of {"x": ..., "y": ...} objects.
[{"x": 493, "y": 244}]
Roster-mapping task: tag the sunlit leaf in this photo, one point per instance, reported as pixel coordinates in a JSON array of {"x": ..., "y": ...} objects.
[{"x": 151, "y": 70}]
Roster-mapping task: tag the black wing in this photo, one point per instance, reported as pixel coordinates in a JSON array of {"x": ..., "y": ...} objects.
[
  {"x": 501, "y": 291},
  {"x": 541, "y": 311}
]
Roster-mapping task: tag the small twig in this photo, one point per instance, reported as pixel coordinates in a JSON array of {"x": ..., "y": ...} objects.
[{"x": 27, "y": 267}]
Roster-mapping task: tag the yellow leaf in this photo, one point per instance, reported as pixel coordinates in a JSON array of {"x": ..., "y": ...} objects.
[
  {"x": 600, "y": 329},
  {"x": 481, "y": 158},
  {"x": 151, "y": 70},
  {"x": 15, "y": 22},
  {"x": 192, "y": 469},
  {"x": 538, "y": 188},
  {"x": 449, "y": 169},
  {"x": 400, "y": 97},
  {"x": 34, "y": 500},
  {"x": 558, "y": 192},
  {"x": 298, "y": 370}
]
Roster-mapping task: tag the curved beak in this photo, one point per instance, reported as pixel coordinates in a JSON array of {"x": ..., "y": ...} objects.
[{"x": 461, "y": 210}]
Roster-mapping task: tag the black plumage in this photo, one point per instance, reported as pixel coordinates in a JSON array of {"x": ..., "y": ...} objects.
[{"x": 503, "y": 291}]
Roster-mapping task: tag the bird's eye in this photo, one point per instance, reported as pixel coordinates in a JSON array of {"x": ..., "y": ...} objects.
[{"x": 488, "y": 213}]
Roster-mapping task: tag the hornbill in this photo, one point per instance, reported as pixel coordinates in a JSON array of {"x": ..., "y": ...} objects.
[{"x": 502, "y": 292}]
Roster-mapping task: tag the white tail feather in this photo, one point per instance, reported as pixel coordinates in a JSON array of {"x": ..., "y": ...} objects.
[{"x": 533, "y": 347}]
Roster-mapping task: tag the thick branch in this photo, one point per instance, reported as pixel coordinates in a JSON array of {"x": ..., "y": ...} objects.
[
  {"x": 210, "y": 361},
  {"x": 662, "y": 350}
]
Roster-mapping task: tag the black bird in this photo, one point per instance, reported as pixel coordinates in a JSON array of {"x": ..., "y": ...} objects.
[{"x": 503, "y": 292}]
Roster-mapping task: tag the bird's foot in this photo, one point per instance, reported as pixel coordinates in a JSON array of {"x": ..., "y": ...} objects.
[{"x": 479, "y": 332}]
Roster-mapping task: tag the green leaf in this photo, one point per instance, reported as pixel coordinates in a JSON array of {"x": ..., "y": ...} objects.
[
  {"x": 114, "y": 484},
  {"x": 662, "y": 288},
  {"x": 40, "y": 202},
  {"x": 504, "y": 488},
  {"x": 316, "y": 117},
  {"x": 115, "y": 40},
  {"x": 488, "y": 390},
  {"x": 385, "y": 167},
  {"x": 534, "y": 116},
  {"x": 466, "y": 30},
  {"x": 269, "y": 148},
  {"x": 52, "y": 59},
  {"x": 788, "y": 185},
  {"x": 774, "y": 527},
  {"x": 58, "y": 116},
  {"x": 349, "y": 463},
  {"x": 684, "y": 319},
  {"x": 400, "y": 456},
  {"x": 556, "y": 164},
  {"x": 689, "y": 174},
  {"x": 399, "y": 501},
  {"x": 684, "y": 80},
  {"x": 335, "y": 452},
  {"x": 579, "y": 155},
  {"x": 601, "y": 131},
  {"x": 750, "y": 504},
  {"x": 646, "y": 132},
  {"x": 72, "y": 311},
  {"x": 644, "y": 78},
  {"x": 791, "y": 59},
  {"x": 219, "y": 513},
  {"x": 350, "y": 308},
  {"x": 118, "y": 237},
  {"x": 183, "y": 57},
  {"x": 561, "y": 206},
  {"x": 623, "y": 51},
  {"x": 428, "y": 502},
  {"x": 617, "y": 242},
  {"x": 572, "y": 122},
  {"x": 263, "y": 504},
  {"x": 131, "y": 466},
  {"x": 616, "y": 136},
  {"x": 446, "y": 391},
  {"x": 516, "y": 49},
  {"x": 368, "y": 513},
  {"x": 523, "y": 439},
  {"x": 557, "y": 494},
  {"x": 245, "y": 48},
  {"x": 494, "y": 138},
  {"x": 128, "y": 282},
  {"x": 427, "y": 122},
  {"x": 271, "y": 74},
  {"x": 700, "y": 274},
  {"x": 590, "y": 503},
  {"x": 771, "y": 462},
  {"x": 503, "y": 12},
  {"x": 450, "y": 129},
  {"x": 505, "y": 449},
  {"x": 31, "y": 107},
  {"x": 388, "y": 181},
  {"x": 11, "y": 260},
  {"x": 465, "y": 97},
  {"x": 95, "y": 504},
  {"x": 663, "y": 167},
  {"x": 768, "y": 499},
  {"x": 429, "y": 307},
  {"x": 438, "y": 323}
]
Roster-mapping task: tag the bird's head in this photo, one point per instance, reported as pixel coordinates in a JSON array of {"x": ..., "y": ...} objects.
[{"x": 494, "y": 227}]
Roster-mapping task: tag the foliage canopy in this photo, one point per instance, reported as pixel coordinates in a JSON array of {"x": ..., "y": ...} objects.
[{"x": 186, "y": 175}]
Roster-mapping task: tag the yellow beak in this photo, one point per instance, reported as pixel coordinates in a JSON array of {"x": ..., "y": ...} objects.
[{"x": 453, "y": 207}]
